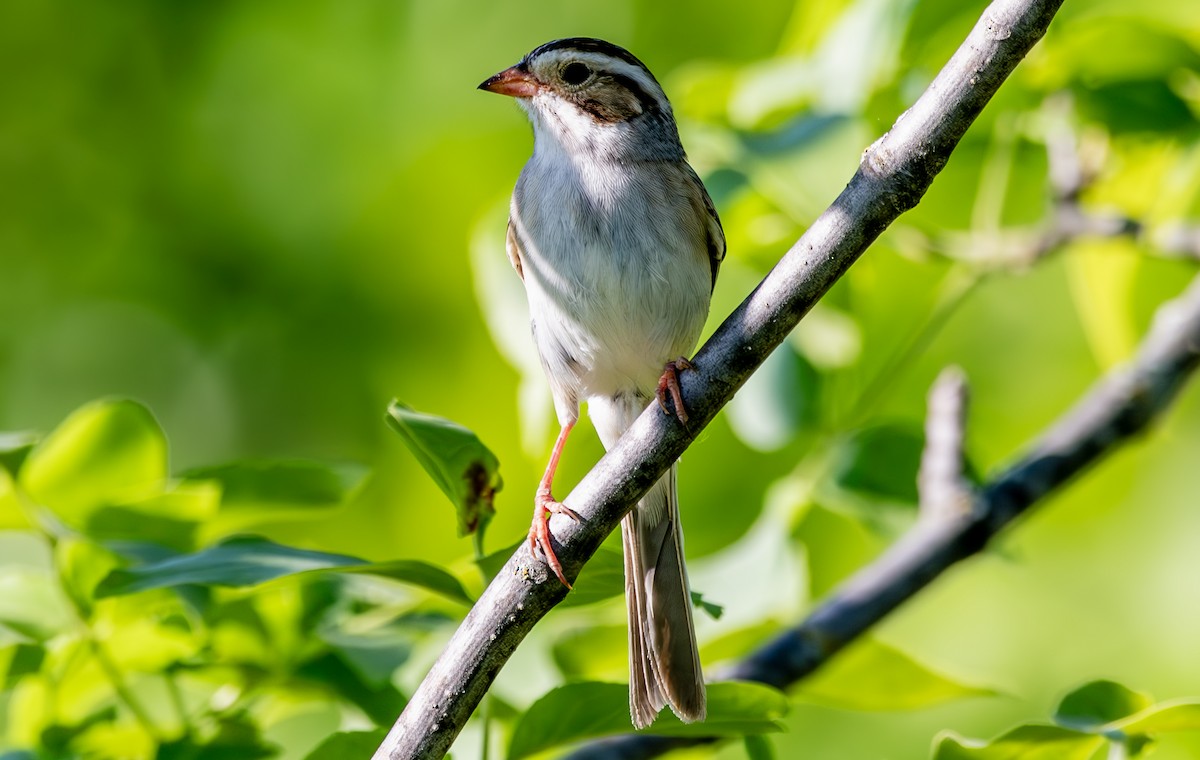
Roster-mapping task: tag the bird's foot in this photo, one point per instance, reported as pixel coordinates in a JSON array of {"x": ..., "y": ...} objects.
[
  {"x": 544, "y": 505},
  {"x": 669, "y": 383}
]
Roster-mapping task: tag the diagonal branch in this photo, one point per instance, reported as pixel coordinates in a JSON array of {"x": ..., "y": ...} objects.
[
  {"x": 1118, "y": 407},
  {"x": 892, "y": 177}
]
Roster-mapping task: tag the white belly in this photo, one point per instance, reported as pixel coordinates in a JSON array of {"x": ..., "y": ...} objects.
[{"x": 618, "y": 280}]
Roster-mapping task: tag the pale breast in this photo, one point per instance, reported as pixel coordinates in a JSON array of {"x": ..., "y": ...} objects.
[{"x": 616, "y": 268}]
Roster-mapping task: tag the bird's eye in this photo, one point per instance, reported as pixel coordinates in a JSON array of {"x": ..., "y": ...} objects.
[{"x": 576, "y": 73}]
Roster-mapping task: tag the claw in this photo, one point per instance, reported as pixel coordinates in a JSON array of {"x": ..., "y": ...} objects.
[
  {"x": 669, "y": 383},
  {"x": 539, "y": 532}
]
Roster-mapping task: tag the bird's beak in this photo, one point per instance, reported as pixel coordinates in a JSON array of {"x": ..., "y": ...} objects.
[{"x": 515, "y": 82}]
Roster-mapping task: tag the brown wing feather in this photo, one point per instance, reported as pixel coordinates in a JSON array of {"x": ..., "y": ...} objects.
[
  {"x": 513, "y": 247},
  {"x": 715, "y": 233}
]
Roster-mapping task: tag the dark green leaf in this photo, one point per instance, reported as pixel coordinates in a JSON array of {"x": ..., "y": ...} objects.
[
  {"x": 257, "y": 491},
  {"x": 381, "y": 702},
  {"x": 249, "y": 560},
  {"x": 348, "y": 744},
  {"x": 14, "y": 447},
  {"x": 881, "y": 463},
  {"x": 715, "y": 611},
  {"x": 417, "y": 573},
  {"x": 580, "y": 711},
  {"x": 19, "y": 660},
  {"x": 107, "y": 452},
  {"x": 491, "y": 564},
  {"x": 465, "y": 469},
  {"x": 759, "y": 747},
  {"x": 603, "y": 577},
  {"x": 232, "y": 737},
  {"x": 1091, "y": 706}
]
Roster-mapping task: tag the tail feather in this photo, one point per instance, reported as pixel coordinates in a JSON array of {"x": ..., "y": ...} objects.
[{"x": 664, "y": 661}]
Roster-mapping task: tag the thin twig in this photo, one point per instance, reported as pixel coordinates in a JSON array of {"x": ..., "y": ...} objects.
[
  {"x": 943, "y": 487},
  {"x": 1118, "y": 407},
  {"x": 892, "y": 177}
]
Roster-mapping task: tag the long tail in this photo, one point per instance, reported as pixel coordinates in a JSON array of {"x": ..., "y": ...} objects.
[{"x": 664, "y": 661}]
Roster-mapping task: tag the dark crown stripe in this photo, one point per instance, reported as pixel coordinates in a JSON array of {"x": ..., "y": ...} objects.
[{"x": 590, "y": 45}]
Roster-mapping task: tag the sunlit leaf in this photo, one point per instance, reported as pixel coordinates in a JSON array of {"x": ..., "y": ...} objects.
[
  {"x": 82, "y": 566},
  {"x": 348, "y": 744},
  {"x": 580, "y": 711},
  {"x": 1030, "y": 742},
  {"x": 32, "y": 604},
  {"x": 870, "y": 675},
  {"x": 1102, "y": 278},
  {"x": 12, "y": 514},
  {"x": 465, "y": 469},
  {"x": 836, "y": 545},
  {"x": 1094, "y": 704},
  {"x": 250, "y": 560},
  {"x": 593, "y": 653},
  {"x": 107, "y": 452},
  {"x": 1174, "y": 715}
]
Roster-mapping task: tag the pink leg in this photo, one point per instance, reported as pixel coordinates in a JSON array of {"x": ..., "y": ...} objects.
[
  {"x": 669, "y": 383},
  {"x": 544, "y": 504}
]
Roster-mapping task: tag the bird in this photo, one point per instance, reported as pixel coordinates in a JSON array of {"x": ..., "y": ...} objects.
[{"x": 618, "y": 245}]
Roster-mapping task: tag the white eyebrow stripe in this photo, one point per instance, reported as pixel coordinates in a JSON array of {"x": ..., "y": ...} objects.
[{"x": 613, "y": 65}]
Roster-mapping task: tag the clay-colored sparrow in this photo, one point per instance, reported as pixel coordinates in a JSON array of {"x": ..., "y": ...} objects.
[{"x": 618, "y": 245}]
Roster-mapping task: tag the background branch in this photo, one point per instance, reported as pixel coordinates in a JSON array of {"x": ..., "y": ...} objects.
[
  {"x": 1115, "y": 409},
  {"x": 892, "y": 177}
]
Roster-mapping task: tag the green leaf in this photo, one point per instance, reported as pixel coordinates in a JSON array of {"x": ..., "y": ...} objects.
[
  {"x": 759, "y": 747},
  {"x": 870, "y": 675},
  {"x": 835, "y": 546},
  {"x": 417, "y": 573},
  {"x": 32, "y": 604},
  {"x": 17, "y": 661},
  {"x": 466, "y": 470},
  {"x": 82, "y": 565},
  {"x": 603, "y": 577},
  {"x": 715, "y": 611},
  {"x": 14, "y": 448},
  {"x": 254, "y": 492},
  {"x": 595, "y": 653},
  {"x": 381, "y": 702},
  {"x": 1031, "y": 742},
  {"x": 250, "y": 560},
  {"x": 234, "y": 737},
  {"x": 348, "y": 744},
  {"x": 1173, "y": 715},
  {"x": 491, "y": 564},
  {"x": 12, "y": 514},
  {"x": 1092, "y": 705},
  {"x": 579, "y": 711},
  {"x": 107, "y": 452},
  {"x": 881, "y": 463}
]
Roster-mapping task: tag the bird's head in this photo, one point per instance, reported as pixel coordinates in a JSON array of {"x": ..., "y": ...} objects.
[{"x": 589, "y": 94}]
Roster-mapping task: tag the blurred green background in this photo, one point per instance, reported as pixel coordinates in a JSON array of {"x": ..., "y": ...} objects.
[{"x": 263, "y": 220}]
